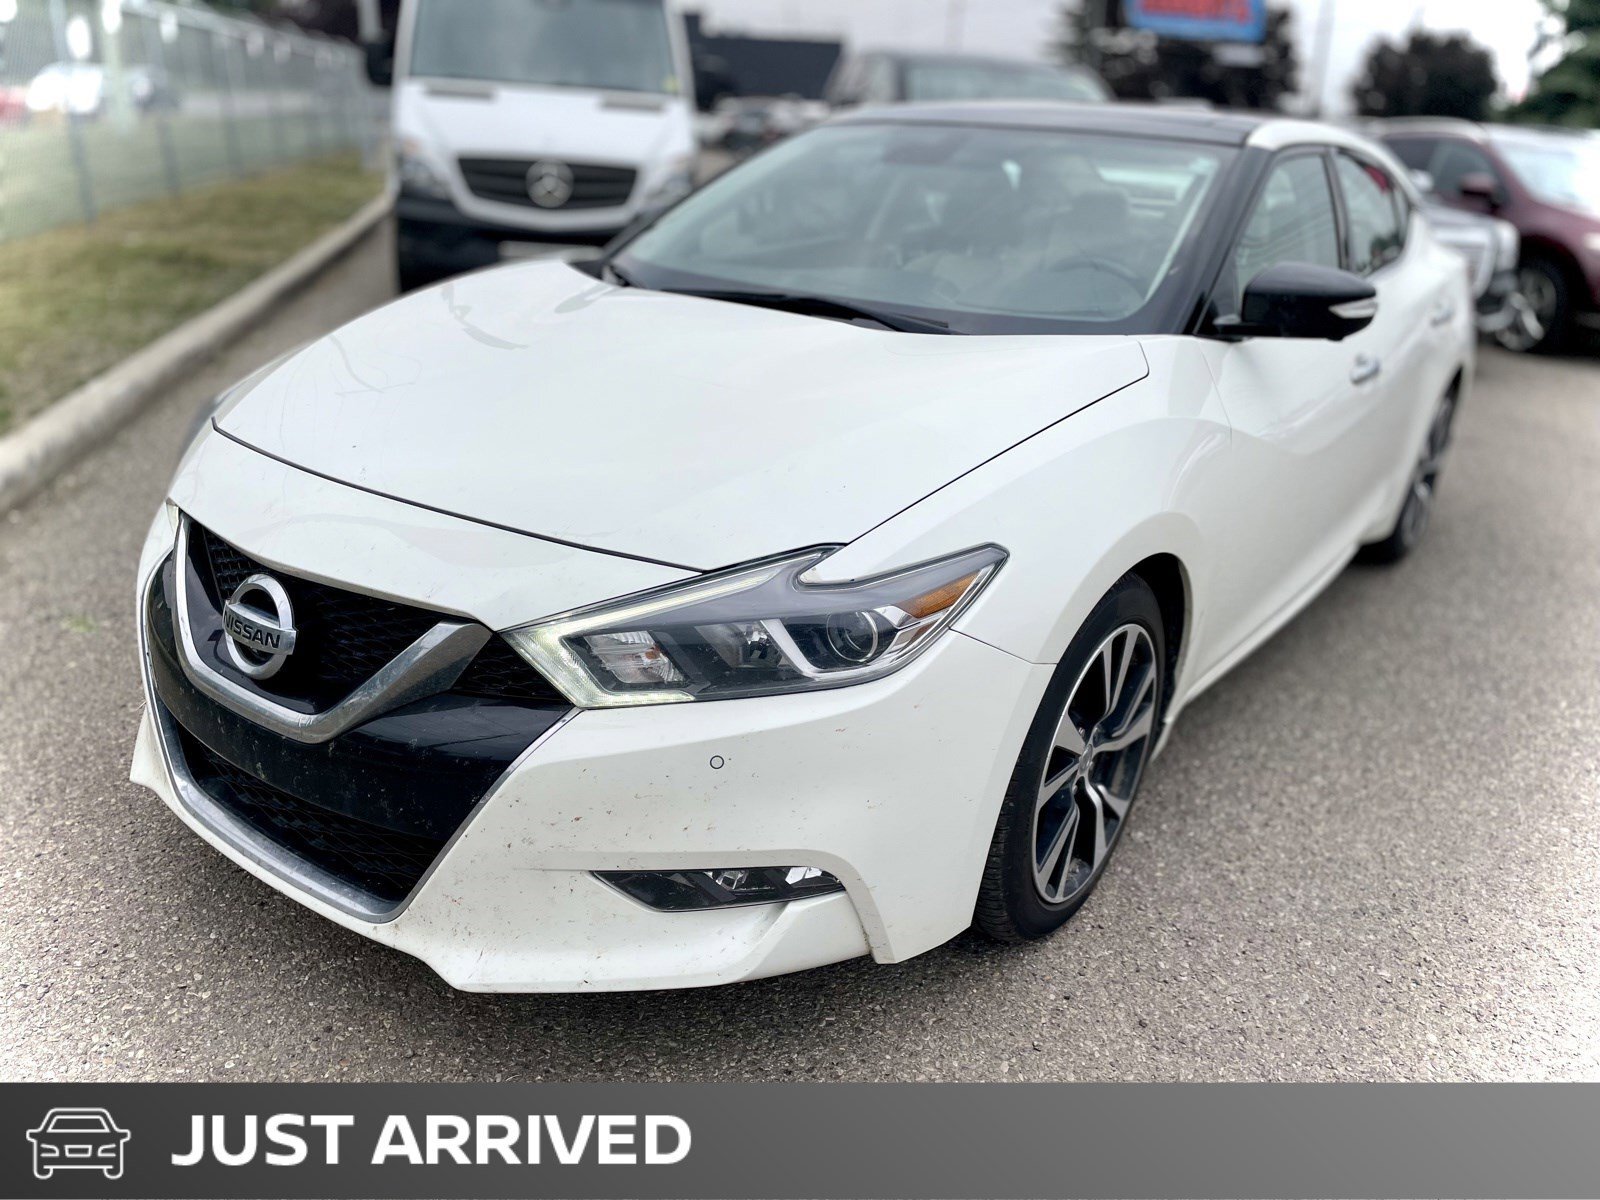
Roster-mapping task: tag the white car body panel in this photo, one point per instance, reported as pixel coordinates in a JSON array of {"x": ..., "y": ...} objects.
[
  {"x": 530, "y": 440},
  {"x": 343, "y": 536},
  {"x": 710, "y": 470}
]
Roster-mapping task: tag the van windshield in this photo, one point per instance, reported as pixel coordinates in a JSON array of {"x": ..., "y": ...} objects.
[{"x": 613, "y": 45}]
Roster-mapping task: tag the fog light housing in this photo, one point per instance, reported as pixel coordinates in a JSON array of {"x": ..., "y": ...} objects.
[{"x": 722, "y": 887}]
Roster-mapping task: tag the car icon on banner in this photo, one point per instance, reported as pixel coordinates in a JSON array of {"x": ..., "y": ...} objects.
[{"x": 83, "y": 1139}]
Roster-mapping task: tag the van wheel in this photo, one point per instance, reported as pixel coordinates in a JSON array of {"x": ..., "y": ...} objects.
[{"x": 1079, "y": 770}]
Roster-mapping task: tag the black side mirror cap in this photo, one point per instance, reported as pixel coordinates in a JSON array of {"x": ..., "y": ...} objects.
[
  {"x": 380, "y": 63},
  {"x": 1483, "y": 187},
  {"x": 1302, "y": 300}
]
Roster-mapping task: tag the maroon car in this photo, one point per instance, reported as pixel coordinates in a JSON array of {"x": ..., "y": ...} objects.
[{"x": 1546, "y": 182}]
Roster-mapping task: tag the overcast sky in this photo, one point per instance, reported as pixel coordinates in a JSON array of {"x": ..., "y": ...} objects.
[{"x": 1023, "y": 27}]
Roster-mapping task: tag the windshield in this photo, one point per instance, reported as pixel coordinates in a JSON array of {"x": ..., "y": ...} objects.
[
  {"x": 989, "y": 230},
  {"x": 78, "y": 1123},
  {"x": 1563, "y": 171},
  {"x": 954, "y": 80},
  {"x": 616, "y": 45}
]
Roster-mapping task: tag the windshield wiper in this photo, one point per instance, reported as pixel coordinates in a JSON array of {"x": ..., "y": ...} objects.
[
  {"x": 618, "y": 277},
  {"x": 820, "y": 306}
]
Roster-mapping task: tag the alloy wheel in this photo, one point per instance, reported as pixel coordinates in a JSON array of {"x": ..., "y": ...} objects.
[
  {"x": 1092, "y": 770},
  {"x": 1537, "y": 305},
  {"x": 1418, "y": 509}
]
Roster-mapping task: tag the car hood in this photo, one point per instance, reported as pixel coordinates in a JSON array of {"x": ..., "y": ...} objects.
[
  {"x": 690, "y": 432},
  {"x": 561, "y": 123}
]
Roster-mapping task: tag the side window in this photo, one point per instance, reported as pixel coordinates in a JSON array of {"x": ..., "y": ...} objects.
[
  {"x": 1293, "y": 222},
  {"x": 880, "y": 81},
  {"x": 1453, "y": 162},
  {"x": 1374, "y": 204},
  {"x": 1416, "y": 153},
  {"x": 845, "y": 86}
]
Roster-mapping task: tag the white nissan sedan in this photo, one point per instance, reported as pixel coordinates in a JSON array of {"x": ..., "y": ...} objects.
[{"x": 817, "y": 574}]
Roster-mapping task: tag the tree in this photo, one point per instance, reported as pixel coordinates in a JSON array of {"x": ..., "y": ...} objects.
[
  {"x": 335, "y": 17},
  {"x": 1569, "y": 92},
  {"x": 1431, "y": 75},
  {"x": 1137, "y": 65}
]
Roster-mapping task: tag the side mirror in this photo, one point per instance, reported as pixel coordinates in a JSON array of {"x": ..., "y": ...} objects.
[
  {"x": 1424, "y": 182},
  {"x": 1300, "y": 300},
  {"x": 1482, "y": 187},
  {"x": 380, "y": 62}
]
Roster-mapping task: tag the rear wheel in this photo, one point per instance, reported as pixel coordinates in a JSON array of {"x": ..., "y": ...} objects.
[
  {"x": 1416, "y": 510},
  {"x": 1079, "y": 770}
]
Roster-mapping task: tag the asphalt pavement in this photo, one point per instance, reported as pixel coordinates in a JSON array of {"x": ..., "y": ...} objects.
[{"x": 1372, "y": 852}]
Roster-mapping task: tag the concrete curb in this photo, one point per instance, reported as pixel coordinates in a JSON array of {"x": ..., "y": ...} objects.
[{"x": 61, "y": 435}]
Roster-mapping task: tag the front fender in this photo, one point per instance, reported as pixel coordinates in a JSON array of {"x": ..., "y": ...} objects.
[{"x": 1077, "y": 506}]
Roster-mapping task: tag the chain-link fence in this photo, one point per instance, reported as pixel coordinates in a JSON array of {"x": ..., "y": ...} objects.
[{"x": 108, "y": 102}]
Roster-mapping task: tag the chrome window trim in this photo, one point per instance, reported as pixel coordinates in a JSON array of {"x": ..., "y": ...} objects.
[
  {"x": 430, "y": 665},
  {"x": 287, "y": 869}
]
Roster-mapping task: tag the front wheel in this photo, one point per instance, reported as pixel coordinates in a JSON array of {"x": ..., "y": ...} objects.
[
  {"x": 1079, "y": 770},
  {"x": 1544, "y": 309}
]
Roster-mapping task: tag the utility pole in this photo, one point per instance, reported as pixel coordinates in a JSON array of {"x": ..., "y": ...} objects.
[
  {"x": 1322, "y": 54},
  {"x": 1095, "y": 28},
  {"x": 955, "y": 29}
]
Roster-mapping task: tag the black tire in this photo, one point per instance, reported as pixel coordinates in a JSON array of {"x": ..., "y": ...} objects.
[
  {"x": 410, "y": 277},
  {"x": 1010, "y": 905},
  {"x": 1416, "y": 510}
]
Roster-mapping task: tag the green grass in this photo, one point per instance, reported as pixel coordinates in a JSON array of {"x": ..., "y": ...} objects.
[
  {"x": 75, "y": 301},
  {"x": 141, "y": 159}
]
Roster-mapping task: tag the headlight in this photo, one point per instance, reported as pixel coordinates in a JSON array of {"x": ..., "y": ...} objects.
[
  {"x": 416, "y": 173},
  {"x": 754, "y": 631},
  {"x": 1592, "y": 241},
  {"x": 676, "y": 182}
]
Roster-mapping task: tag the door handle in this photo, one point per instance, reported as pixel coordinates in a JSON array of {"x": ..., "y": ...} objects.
[
  {"x": 1366, "y": 370},
  {"x": 1443, "y": 314}
]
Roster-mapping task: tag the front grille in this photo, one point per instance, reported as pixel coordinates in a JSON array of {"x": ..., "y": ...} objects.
[
  {"x": 505, "y": 180},
  {"x": 383, "y": 863},
  {"x": 345, "y": 638}
]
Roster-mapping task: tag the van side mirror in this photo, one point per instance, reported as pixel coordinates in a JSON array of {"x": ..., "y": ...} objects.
[
  {"x": 380, "y": 62},
  {"x": 1301, "y": 300},
  {"x": 1482, "y": 187}
]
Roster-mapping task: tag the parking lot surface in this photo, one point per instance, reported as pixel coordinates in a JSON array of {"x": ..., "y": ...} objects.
[{"x": 1370, "y": 853}]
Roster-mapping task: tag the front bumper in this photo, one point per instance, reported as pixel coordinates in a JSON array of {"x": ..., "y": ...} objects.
[
  {"x": 435, "y": 239},
  {"x": 893, "y": 787}
]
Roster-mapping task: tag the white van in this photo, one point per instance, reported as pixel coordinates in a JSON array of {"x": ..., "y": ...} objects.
[{"x": 524, "y": 123}]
